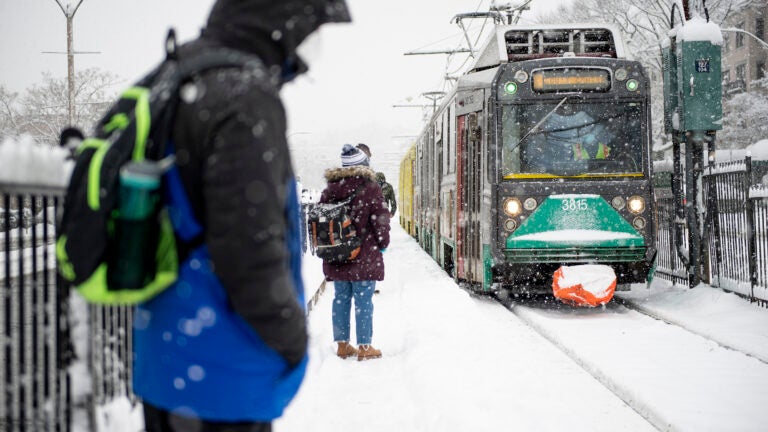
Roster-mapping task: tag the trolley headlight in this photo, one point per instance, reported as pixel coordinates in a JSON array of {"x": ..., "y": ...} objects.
[
  {"x": 510, "y": 225},
  {"x": 521, "y": 76},
  {"x": 510, "y": 87},
  {"x": 513, "y": 207},
  {"x": 618, "y": 203},
  {"x": 636, "y": 204},
  {"x": 639, "y": 222},
  {"x": 530, "y": 204},
  {"x": 620, "y": 74}
]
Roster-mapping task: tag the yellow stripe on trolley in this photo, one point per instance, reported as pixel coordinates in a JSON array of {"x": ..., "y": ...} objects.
[{"x": 532, "y": 176}]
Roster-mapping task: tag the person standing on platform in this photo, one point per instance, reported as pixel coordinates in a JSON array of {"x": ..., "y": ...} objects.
[{"x": 357, "y": 278}]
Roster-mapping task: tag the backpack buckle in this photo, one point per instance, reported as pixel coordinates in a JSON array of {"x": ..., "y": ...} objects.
[{"x": 171, "y": 47}]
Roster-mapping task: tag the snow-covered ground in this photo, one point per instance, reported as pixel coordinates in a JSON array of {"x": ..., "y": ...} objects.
[{"x": 457, "y": 362}]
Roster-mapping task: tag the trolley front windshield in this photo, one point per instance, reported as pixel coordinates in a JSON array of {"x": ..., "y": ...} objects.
[{"x": 572, "y": 138}]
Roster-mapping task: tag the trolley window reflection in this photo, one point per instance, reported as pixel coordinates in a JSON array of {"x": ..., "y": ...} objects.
[{"x": 573, "y": 139}]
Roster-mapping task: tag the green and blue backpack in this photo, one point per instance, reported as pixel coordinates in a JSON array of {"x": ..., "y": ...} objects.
[{"x": 94, "y": 234}]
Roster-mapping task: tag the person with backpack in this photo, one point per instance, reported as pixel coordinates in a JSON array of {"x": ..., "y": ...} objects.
[
  {"x": 388, "y": 192},
  {"x": 225, "y": 347},
  {"x": 356, "y": 278}
]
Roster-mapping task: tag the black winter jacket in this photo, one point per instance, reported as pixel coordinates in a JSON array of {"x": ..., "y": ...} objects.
[
  {"x": 232, "y": 153},
  {"x": 234, "y": 162}
]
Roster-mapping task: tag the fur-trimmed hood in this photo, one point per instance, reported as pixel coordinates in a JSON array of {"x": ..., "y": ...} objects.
[{"x": 336, "y": 174}]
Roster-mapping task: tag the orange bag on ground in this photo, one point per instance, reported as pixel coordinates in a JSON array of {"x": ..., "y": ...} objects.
[{"x": 584, "y": 285}]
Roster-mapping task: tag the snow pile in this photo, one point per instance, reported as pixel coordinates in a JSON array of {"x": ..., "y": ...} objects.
[
  {"x": 697, "y": 29},
  {"x": 22, "y": 161},
  {"x": 594, "y": 278},
  {"x": 120, "y": 415}
]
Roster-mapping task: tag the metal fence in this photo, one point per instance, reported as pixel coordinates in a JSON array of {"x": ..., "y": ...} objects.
[
  {"x": 34, "y": 333},
  {"x": 670, "y": 233},
  {"x": 736, "y": 241},
  {"x": 36, "y": 349}
]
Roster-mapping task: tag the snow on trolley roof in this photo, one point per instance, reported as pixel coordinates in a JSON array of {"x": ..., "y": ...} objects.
[{"x": 515, "y": 43}]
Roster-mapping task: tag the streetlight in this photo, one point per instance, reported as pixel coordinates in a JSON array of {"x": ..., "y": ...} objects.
[
  {"x": 69, "y": 13},
  {"x": 735, "y": 30}
]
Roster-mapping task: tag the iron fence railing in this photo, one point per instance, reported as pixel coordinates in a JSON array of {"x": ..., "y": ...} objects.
[
  {"x": 758, "y": 195},
  {"x": 34, "y": 332},
  {"x": 669, "y": 266},
  {"x": 736, "y": 241}
]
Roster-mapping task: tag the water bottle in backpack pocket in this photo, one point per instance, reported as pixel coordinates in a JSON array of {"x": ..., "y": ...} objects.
[{"x": 131, "y": 262}]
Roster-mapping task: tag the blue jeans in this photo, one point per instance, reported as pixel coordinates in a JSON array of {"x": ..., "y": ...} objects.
[{"x": 342, "y": 301}]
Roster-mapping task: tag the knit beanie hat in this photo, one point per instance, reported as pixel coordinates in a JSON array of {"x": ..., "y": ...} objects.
[{"x": 351, "y": 156}]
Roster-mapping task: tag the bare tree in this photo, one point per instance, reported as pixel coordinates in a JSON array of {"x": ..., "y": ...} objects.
[
  {"x": 745, "y": 119},
  {"x": 644, "y": 25},
  {"x": 9, "y": 115},
  {"x": 43, "y": 107}
]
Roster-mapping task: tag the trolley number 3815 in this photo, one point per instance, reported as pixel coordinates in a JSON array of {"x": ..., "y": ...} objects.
[{"x": 573, "y": 204}]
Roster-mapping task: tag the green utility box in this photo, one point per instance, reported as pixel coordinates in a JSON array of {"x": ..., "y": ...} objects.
[{"x": 699, "y": 85}]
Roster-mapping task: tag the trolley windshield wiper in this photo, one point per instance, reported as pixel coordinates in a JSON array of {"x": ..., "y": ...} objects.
[{"x": 537, "y": 125}]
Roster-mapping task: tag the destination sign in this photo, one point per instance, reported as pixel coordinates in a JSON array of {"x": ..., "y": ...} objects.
[{"x": 570, "y": 79}]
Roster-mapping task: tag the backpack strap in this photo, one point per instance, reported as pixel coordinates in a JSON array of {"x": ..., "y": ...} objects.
[
  {"x": 177, "y": 69},
  {"x": 185, "y": 224},
  {"x": 352, "y": 196},
  {"x": 189, "y": 231}
]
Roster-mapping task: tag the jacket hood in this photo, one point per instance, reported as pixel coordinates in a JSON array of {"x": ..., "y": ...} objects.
[
  {"x": 257, "y": 25},
  {"x": 380, "y": 177},
  {"x": 336, "y": 174}
]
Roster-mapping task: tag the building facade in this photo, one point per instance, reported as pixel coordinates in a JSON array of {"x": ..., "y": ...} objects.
[{"x": 744, "y": 57}]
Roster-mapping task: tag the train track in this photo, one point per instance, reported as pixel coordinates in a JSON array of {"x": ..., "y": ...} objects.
[
  {"x": 612, "y": 385},
  {"x": 637, "y": 340},
  {"x": 671, "y": 321}
]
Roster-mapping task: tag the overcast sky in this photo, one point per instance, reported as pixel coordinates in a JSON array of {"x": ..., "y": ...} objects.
[{"x": 357, "y": 75}]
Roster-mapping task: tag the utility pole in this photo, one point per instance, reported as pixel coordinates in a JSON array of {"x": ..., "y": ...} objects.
[{"x": 69, "y": 13}]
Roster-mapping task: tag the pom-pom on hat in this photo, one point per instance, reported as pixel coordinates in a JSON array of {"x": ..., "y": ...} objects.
[
  {"x": 351, "y": 156},
  {"x": 365, "y": 149}
]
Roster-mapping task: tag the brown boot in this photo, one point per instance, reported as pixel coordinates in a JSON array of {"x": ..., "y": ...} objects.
[
  {"x": 367, "y": 352},
  {"x": 345, "y": 350}
]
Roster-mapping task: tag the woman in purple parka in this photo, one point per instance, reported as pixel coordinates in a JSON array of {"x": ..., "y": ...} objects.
[{"x": 357, "y": 278}]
